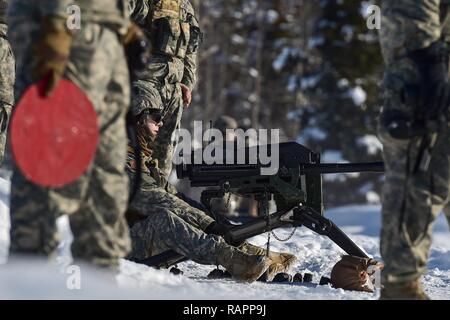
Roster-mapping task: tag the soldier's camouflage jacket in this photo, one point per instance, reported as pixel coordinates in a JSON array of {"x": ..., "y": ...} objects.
[
  {"x": 7, "y": 75},
  {"x": 409, "y": 25},
  {"x": 174, "y": 32},
  {"x": 151, "y": 176},
  {"x": 175, "y": 35},
  {"x": 155, "y": 194},
  {"x": 411, "y": 199}
]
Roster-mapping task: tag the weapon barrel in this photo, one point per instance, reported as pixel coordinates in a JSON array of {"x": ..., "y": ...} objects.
[{"x": 327, "y": 168}]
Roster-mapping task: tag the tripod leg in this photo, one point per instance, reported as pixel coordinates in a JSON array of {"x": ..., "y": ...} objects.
[{"x": 319, "y": 224}]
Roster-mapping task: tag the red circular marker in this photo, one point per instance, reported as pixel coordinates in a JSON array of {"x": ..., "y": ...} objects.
[{"x": 54, "y": 139}]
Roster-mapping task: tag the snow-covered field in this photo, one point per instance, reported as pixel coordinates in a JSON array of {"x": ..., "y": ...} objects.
[{"x": 317, "y": 255}]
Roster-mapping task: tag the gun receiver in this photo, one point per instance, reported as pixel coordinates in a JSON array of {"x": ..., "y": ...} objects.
[{"x": 297, "y": 182}]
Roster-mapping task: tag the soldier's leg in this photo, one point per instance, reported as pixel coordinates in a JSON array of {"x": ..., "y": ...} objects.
[
  {"x": 33, "y": 218},
  {"x": 164, "y": 230},
  {"x": 166, "y": 142},
  {"x": 99, "y": 227},
  {"x": 161, "y": 198},
  {"x": 33, "y": 222},
  {"x": 411, "y": 202}
]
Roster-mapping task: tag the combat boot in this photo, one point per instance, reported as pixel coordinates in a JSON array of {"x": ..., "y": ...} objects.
[
  {"x": 242, "y": 266},
  {"x": 281, "y": 262},
  {"x": 407, "y": 291}
]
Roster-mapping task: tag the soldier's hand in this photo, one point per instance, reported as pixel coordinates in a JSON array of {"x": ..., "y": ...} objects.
[
  {"x": 137, "y": 48},
  {"x": 433, "y": 100},
  {"x": 52, "y": 52},
  {"x": 187, "y": 95},
  {"x": 217, "y": 229}
]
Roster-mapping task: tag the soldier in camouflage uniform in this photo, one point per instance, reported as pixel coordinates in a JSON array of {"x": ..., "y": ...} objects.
[
  {"x": 97, "y": 201},
  {"x": 171, "y": 74},
  {"x": 7, "y": 74},
  {"x": 161, "y": 221},
  {"x": 413, "y": 37}
]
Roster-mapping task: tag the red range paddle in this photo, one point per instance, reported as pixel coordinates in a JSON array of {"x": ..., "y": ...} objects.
[{"x": 54, "y": 139}]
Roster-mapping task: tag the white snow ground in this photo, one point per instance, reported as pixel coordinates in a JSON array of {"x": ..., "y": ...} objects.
[{"x": 317, "y": 255}]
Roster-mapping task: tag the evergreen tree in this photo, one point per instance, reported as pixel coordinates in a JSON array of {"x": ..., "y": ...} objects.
[
  {"x": 342, "y": 119},
  {"x": 309, "y": 68}
]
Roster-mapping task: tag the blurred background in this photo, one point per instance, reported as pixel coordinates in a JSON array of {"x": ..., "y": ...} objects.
[{"x": 309, "y": 68}]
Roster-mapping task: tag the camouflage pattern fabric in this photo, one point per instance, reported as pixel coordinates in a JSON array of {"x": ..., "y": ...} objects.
[
  {"x": 171, "y": 223},
  {"x": 159, "y": 85},
  {"x": 138, "y": 11},
  {"x": 95, "y": 203},
  {"x": 113, "y": 13},
  {"x": 7, "y": 75},
  {"x": 411, "y": 200},
  {"x": 161, "y": 221},
  {"x": 408, "y": 25},
  {"x": 167, "y": 222}
]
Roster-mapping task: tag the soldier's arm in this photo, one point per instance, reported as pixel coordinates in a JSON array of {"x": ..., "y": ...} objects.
[
  {"x": 139, "y": 10},
  {"x": 409, "y": 25},
  {"x": 190, "y": 69},
  {"x": 171, "y": 189},
  {"x": 190, "y": 61},
  {"x": 7, "y": 74}
]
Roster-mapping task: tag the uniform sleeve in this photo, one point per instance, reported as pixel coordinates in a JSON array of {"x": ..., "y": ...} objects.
[
  {"x": 7, "y": 71},
  {"x": 171, "y": 189},
  {"x": 190, "y": 61},
  {"x": 408, "y": 25},
  {"x": 139, "y": 10},
  {"x": 190, "y": 70}
]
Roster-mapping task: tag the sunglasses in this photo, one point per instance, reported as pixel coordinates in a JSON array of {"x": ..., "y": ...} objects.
[{"x": 156, "y": 117}]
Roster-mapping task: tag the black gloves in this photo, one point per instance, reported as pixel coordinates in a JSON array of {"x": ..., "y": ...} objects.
[
  {"x": 218, "y": 229},
  {"x": 223, "y": 229}
]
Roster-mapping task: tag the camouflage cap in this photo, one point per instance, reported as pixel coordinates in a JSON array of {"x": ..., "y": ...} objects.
[
  {"x": 225, "y": 122},
  {"x": 145, "y": 97}
]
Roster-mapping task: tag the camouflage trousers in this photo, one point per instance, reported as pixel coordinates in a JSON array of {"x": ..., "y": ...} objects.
[
  {"x": 97, "y": 201},
  {"x": 412, "y": 199},
  {"x": 172, "y": 224},
  {"x": 7, "y": 74}
]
